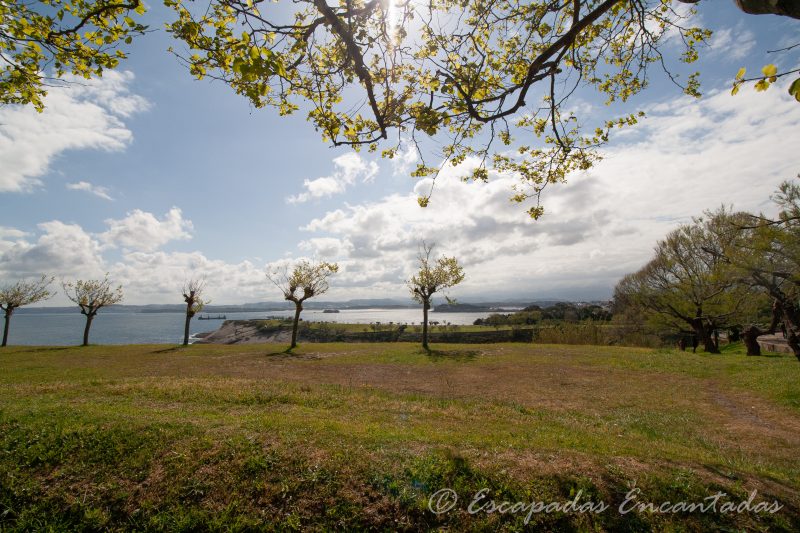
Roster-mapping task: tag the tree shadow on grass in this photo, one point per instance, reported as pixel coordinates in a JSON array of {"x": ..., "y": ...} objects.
[
  {"x": 452, "y": 355},
  {"x": 286, "y": 352},
  {"x": 171, "y": 349},
  {"x": 42, "y": 349}
]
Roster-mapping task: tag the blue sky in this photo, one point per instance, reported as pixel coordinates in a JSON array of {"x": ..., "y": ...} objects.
[{"x": 152, "y": 176}]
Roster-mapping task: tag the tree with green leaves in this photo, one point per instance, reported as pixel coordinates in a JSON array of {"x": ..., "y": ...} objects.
[
  {"x": 433, "y": 276},
  {"x": 193, "y": 290},
  {"x": 44, "y": 41},
  {"x": 15, "y": 295},
  {"x": 92, "y": 295},
  {"x": 687, "y": 285},
  {"x": 763, "y": 253},
  {"x": 489, "y": 80},
  {"x": 306, "y": 280},
  {"x": 486, "y": 79}
]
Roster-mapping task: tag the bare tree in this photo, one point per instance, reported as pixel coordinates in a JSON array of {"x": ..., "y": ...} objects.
[
  {"x": 193, "y": 296},
  {"x": 433, "y": 276},
  {"x": 307, "y": 279},
  {"x": 22, "y": 293},
  {"x": 91, "y": 295}
]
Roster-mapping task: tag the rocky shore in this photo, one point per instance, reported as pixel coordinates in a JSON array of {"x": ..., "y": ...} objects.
[
  {"x": 243, "y": 332},
  {"x": 256, "y": 332}
]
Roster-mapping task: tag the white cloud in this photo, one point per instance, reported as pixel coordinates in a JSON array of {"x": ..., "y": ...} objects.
[
  {"x": 63, "y": 248},
  {"x": 325, "y": 247},
  {"x": 688, "y": 156},
  {"x": 12, "y": 233},
  {"x": 100, "y": 192},
  {"x": 86, "y": 114},
  {"x": 405, "y": 158},
  {"x": 67, "y": 251},
  {"x": 732, "y": 43},
  {"x": 349, "y": 168},
  {"x": 141, "y": 230},
  {"x": 157, "y": 277}
]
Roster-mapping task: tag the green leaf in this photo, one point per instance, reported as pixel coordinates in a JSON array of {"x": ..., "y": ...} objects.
[{"x": 794, "y": 89}]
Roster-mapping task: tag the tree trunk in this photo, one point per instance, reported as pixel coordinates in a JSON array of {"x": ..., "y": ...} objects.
[
  {"x": 5, "y": 329},
  {"x": 788, "y": 8},
  {"x": 704, "y": 336},
  {"x": 89, "y": 319},
  {"x": 791, "y": 319},
  {"x": 298, "y": 308},
  {"x": 750, "y": 337},
  {"x": 708, "y": 344},
  {"x": 186, "y": 327},
  {"x": 425, "y": 306},
  {"x": 794, "y": 343}
]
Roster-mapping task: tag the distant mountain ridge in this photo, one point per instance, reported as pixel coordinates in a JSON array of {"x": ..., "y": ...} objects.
[{"x": 257, "y": 307}]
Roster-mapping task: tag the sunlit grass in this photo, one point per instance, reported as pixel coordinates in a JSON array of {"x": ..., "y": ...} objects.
[{"x": 359, "y": 435}]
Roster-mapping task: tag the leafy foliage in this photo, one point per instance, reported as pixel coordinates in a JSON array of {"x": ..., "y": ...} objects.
[
  {"x": 724, "y": 270},
  {"x": 24, "y": 293},
  {"x": 307, "y": 279},
  {"x": 466, "y": 73},
  {"x": 764, "y": 254},
  {"x": 93, "y": 294},
  {"x": 686, "y": 284},
  {"x": 434, "y": 276},
  {"x": 769, "y": 76},
  {"x": 41, "y": 42}
]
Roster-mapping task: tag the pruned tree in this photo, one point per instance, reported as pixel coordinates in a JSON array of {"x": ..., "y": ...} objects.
[
  {"x": 92, "y": 295},
  {"x": 15, "y": 295},
  {"x": 306, "y": 280},
  {"x": 686, "y": 284},
  {"x": 192, "y": 291},
  {"x": 468, "y": 73},
  {"x": 41, "y": 42},
  {"x": 433, "y": 276}
]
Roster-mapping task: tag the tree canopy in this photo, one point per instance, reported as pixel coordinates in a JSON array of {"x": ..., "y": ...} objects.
[
  {"x": 433, "y": 276},
  {"x": 306, "y": 280},
  {"x": 42, "y": 42},
  {"x": 685, "y": 284},
  {"x": 489, "y": 80},
  {"x": 763, "y": 253},
  {"x": 91, "y": 295},
  {"x": 14, "y": 295},
  {"x": 726, "y": 269}
]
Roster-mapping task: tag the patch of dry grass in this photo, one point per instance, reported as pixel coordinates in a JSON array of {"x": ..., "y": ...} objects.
[{"x": 359, "y": 436}]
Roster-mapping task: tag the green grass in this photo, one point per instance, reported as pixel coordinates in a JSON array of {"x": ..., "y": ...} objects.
[{"x": 338, "y": 436}]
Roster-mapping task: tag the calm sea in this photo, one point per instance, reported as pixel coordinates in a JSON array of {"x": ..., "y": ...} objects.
[{"x": 167, "y": 328}]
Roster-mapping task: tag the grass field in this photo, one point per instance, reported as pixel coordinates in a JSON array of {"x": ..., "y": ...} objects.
[{"x": 338, "y": 436}]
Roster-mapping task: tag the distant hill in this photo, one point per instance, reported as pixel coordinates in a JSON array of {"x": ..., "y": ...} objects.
[
  {"x": 257, "y": 307},
  {"x": 489, "y": 307}
]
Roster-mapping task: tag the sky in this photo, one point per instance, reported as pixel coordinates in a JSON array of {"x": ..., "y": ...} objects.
[{"x": 153, "y": 177}]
